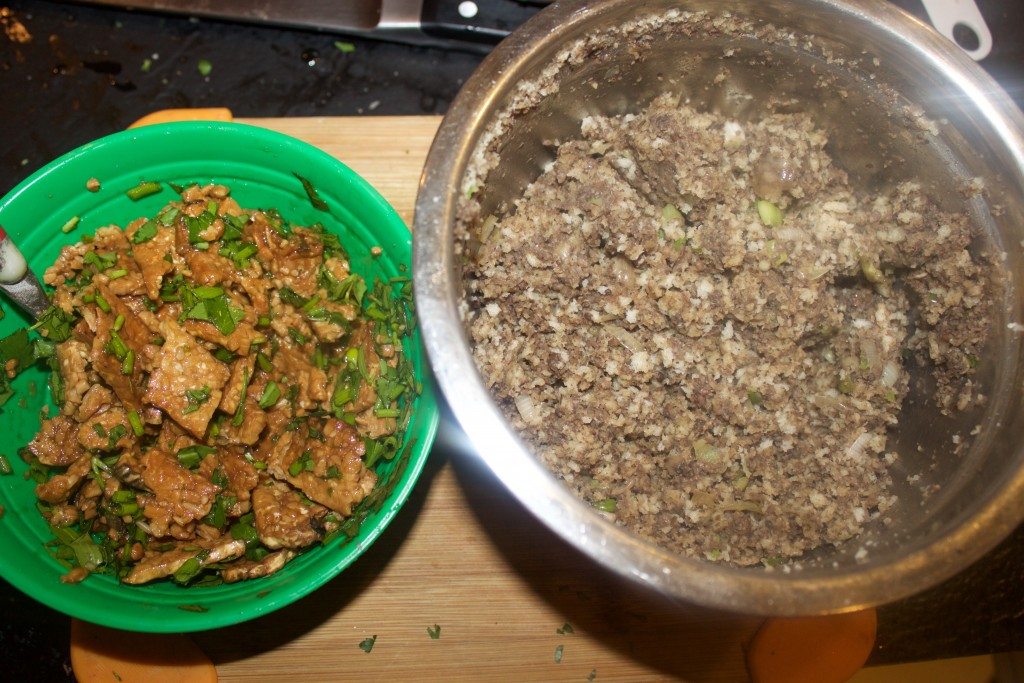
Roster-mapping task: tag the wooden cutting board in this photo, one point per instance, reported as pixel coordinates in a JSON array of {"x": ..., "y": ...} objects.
[{"x": 464, "y": 555}]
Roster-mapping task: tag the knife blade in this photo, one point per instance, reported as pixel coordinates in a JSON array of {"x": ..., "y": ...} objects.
[{"x": 433, "y": 23}]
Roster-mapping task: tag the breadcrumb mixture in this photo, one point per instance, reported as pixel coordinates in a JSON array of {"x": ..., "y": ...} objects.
[{"x": 702, "y": 328}]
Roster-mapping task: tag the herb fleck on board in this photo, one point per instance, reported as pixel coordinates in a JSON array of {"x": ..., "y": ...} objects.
[{"x": 367, "y": 644}]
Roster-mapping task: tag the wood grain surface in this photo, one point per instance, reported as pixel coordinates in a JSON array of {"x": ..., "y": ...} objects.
[{"x": 464, "y": 555}]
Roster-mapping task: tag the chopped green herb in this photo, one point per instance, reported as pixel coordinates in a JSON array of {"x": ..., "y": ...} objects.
[
  {"x": 344, "y": 46},
  {"x": 770, "y": 214},
  {"x": 194, "y": 608},
  {"x": 301, "y": 464},
  {"x": 314, "y": 197},
  {"x": 207, "y": 293},
  {"x": 145, "y": 233},
  {"x": 607, "y": 505},
  {"x": 755, "y": 397},
  {"x": 191, "y": 456},
  {"x": 118, "y": 323},
  {"x": 115, "y": 434},
  {"x": 558, "y": 654},
  {"x": 196, "y": 398},
  {"x": 143, "y": 189},
  {"x": 102, "y": 303},
  {"x": 244, "y": 530},
  {"x": 71, "y": 224},
  {"x": 592, "y": 675},
  {"x": 223, "y": 355},
  {"x": 566, "y": 628},
  {"x": 136, "y": 423},
  {"x": 264, "y": 362},
  {"x": 204, "y": 67},
  {"x": 188, "y": 571},
  {"x": 271, "y": 394},
  {"x": 367, "y": 644},
  {"x": 147, "y": 64},
  {"x": 434, "y": 632}
]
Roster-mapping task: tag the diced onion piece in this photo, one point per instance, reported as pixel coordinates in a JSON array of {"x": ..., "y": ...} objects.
[
  {"x": 671, "y": 213},
  {"x": 890, "y": 373},
  {"x": 855, "y": 450},
  {"x": 705, "y": 451},
  {"x": 872, "y": 273},
  {"x": 870, "y": 357},
  {"x": 487, "y": 228},
  {"x": 625, "y": 337},
  {"x": 527, "y": 409}
]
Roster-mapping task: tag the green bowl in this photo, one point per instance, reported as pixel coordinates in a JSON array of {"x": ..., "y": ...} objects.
[{"x": 258, "y": 166}]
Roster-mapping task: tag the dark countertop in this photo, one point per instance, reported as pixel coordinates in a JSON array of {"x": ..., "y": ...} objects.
[{"x": 83, "y": 74}]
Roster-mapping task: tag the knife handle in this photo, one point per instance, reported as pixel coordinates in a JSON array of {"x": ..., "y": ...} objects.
[{"x": 492, "y": 21}]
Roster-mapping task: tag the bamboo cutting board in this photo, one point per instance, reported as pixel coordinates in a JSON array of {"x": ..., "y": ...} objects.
[{"x": 464, "y": 555}]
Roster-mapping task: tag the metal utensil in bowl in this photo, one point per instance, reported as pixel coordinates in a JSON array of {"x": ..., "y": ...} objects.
[
  {"x": 18, "y": 281},
  {"x": 898, "y": 101}
]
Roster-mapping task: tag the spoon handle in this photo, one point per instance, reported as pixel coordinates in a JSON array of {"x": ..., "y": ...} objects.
[{"x": 18, "y": 281}]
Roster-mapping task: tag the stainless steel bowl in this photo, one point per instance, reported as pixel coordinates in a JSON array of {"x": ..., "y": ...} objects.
[{"x": 898, "y": 101}]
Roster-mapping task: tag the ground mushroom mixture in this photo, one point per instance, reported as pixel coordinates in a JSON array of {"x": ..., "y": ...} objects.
[
  {"x": 702, "y": 328},
  {"x": 226, "y": 386}
]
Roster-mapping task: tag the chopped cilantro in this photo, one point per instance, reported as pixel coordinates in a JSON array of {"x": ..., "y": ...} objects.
[
  {"x": 367, "y": 644},
  {"x": 196, "y": 398},
  {"x": 55, "y": 324},
  {"x": 344, "y": 46},
  {"x": 204, "y": 67},
  {"x": 434, "y": 632},
  {"x": 145, "y": 233},
  {"x": 566, "y": 628}
]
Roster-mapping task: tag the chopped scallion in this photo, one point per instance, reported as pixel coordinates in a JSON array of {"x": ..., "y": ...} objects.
[
  {"x": 136, "y": 422},
  {"x": 70, "y": 225},
  {"x": 143, "y": 189}
]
